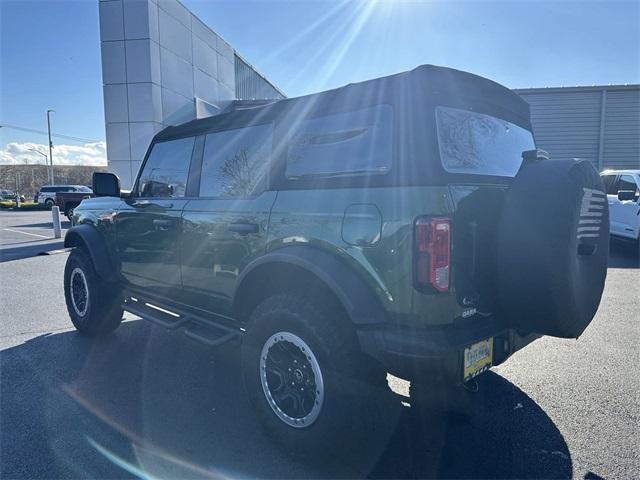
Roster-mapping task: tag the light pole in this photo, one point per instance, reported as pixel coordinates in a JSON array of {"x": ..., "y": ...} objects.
[{"x": 51, "y": 179}]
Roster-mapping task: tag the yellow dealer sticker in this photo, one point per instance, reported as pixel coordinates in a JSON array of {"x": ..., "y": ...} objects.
[{"x": 477, "y": 358}]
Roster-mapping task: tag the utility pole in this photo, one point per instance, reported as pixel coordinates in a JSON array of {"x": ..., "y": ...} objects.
[{"x": 51, "y": 179}]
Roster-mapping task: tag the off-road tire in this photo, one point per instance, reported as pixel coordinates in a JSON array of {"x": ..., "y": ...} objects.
[
  {"x": 68, "y": 212},
  {"x": 358, "y": 410},
  {"x": 102, "y": 312},
  {"x": 553, "y": 245}
]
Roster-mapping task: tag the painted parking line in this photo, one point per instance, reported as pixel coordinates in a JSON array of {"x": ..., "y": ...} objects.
[{"x": 26, "y": 233}]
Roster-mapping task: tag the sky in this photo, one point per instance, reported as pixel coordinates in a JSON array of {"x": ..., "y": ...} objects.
[{"x": 50, "y": 52}]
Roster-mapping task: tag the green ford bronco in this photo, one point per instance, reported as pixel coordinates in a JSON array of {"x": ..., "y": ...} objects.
[{"x": 405, "y": 224}]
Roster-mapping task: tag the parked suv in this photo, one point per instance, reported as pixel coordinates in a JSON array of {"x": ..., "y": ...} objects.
[
  {"x": 623, "y": 190},
  {"x": 47, "y": 194},
  {"x": 405, "y": 224}
]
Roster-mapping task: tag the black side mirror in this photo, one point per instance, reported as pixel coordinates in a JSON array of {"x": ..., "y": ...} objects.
[
  {"x": 106, "y": 184},
  {"x": 626, "y": 195},
  {"x": 537, "y": 155}
]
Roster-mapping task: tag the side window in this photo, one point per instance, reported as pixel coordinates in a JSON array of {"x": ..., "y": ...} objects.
[
  {"x": 348, "y": 143},
  {"x": 609, "y": 184},
  {"x": 235, "y": 162},
  {"x": 627, "y": 182},
  {"x": 45, "y": 189},
  {"x": 167, "y": 168}
]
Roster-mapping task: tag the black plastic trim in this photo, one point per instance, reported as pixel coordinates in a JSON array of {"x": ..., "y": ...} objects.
[
  {"x": 96, "y": 246},
  {"x": 357, "y": 298}
]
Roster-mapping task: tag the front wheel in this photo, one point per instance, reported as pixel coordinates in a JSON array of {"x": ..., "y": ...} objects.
[
  {"x": 68, "y": 213},
  {"x": 49, "y": 202},
  {"x": 93, "y": 304},
  {"x": 310, "y": 384}
]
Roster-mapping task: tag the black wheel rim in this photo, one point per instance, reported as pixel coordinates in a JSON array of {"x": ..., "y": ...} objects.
[
  {"x": 79, "y": 291},
  {"x": 291, "y": 379}
]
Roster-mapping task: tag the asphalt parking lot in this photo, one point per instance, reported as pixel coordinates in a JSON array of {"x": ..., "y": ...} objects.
[{"x": 146, "y": 402}]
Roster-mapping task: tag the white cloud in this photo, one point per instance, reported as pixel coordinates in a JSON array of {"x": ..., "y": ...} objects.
[{"x": 94, "y": 154}]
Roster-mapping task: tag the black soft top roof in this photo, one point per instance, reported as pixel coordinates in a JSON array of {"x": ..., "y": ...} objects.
[{"x": 422, "y": 85}]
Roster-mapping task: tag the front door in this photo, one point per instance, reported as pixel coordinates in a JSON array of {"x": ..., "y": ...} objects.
[
  {"x": 626, "y": 211},
  {"x": 149, "y": 224},
  {"x": 226, "y": 227}
]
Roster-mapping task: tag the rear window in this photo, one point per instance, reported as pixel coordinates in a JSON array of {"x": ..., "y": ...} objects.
[
  {"x": 347, "y": 143},
  {"x": 474, "y": 143},
  {"x": 609, "y": 184}
]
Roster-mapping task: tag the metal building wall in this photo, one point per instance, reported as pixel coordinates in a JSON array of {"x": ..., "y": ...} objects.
[
  {"x": 250, "y": 85},
  {"x": 161, "y": 65},
  {"x": 600, "y": 124}
]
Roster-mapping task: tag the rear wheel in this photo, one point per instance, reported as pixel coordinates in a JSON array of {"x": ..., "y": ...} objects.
[
  {"x": 310, "y": 385},
  {"x": 93, "y": 304},
  {"x": 49, "y": 202}
]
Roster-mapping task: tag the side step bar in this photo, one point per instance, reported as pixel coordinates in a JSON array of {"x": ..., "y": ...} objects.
[{"x": 205, "y": 330}]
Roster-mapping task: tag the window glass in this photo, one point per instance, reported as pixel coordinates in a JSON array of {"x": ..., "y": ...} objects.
[
  {"x": 167, "y": 168},
  {"x": 609, "y": 186},
  {"x": 479, "y": 144},
  {"x": 347, "y": 143},
  {"x": 235, "y": 162},
  {"x": 84, "y": 189},
  {"x": 46, "y": 189},
  {"x": 627, "y": 182}
]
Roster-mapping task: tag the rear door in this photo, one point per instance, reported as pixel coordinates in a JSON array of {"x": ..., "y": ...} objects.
[
  {"x": 148, "y": 225},
  {"x": 226, "y": 226}
]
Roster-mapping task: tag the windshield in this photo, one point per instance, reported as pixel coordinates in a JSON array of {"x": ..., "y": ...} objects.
[{"x": 479, "y": 144}]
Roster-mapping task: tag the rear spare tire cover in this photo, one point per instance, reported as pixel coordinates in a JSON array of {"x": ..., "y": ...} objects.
[{"x": 553, "y": 248}]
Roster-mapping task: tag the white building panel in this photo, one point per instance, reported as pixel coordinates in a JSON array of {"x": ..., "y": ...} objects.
[{"x": 171, "y": 68}]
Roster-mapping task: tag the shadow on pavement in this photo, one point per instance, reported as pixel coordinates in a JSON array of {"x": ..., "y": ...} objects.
[
  {"x": 164, "y": 406},
  {"x": 624, "y": 254},
  {"x": 30, "y": 250},
  {"x": 64, "y": 223}
]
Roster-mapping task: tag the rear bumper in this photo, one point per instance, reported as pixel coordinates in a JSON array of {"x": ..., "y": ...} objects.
[{"x": 437, "y": 352}]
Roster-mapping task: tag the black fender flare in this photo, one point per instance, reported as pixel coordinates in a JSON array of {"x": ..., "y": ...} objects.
[
  {"x": 357, "y": 298},
  {"x": 97, "y": 248}
]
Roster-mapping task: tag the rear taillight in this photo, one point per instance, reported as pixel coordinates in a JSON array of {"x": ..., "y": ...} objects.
[{"x": 432, "y": 255}]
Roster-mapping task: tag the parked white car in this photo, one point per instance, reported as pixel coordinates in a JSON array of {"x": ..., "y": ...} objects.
[{"x": 623, "y": 192}]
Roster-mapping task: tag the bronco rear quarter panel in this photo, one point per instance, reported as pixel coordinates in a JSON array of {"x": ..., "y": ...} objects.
[{"x": 317, "y": 217}]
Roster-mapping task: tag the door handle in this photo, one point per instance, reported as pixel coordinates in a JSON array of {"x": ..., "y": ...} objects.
[
  {"x": 244, "y": 228},
  {"x": 152, "y": 205},
  {"x": 159, "y": 224}
]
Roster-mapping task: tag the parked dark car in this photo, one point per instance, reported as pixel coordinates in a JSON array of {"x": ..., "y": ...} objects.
[
  {"x": 68, "y": 201},
  {"x": 405, "y": 224}
]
